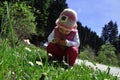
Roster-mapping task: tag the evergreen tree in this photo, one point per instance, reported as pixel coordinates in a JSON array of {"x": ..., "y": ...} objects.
[
  {"x": 117, "y": 44},
  {"x": 81, "y": 34},
  {"x": 41, "y": 14},
  {"x": 105, "y": 34},
  {"x": 114, "y": 32},
  {"x": 88, "y": 38},
  {"x": 110, "y": 32},
  {"x": 87, "y": 35},
  {"x": 92, "y": 40},
  {"x": 119, "y": 37}
]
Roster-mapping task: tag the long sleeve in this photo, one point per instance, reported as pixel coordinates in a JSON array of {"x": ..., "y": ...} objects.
[
  {"x": 75, "y": 42},
  {"x": 51, "y": 36}
]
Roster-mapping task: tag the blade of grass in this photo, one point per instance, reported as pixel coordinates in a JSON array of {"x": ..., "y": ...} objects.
[{"x": 11, "y": 27}]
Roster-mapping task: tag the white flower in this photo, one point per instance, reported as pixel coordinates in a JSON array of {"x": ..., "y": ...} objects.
[
  {"x": 31, "y": 63},
  {"x": 28, "y": 49},
  {"x": 27, "y": 41},
  {"x": 39, "y": 63},
  {"x": 13, "y": 73},
  {"x": 106, "y": 79}
]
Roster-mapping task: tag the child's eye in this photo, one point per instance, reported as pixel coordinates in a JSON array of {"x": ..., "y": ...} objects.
[{"x": 63, "y": 18}]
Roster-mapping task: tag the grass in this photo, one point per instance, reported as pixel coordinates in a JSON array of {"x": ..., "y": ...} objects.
[{"x": 19, "y": 63}]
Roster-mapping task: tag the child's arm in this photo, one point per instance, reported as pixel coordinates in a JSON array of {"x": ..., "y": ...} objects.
[
  {"x": 51, "y": 36},
  {"x": 52, "y": 39},
  {"x": 75, "y": 42}
]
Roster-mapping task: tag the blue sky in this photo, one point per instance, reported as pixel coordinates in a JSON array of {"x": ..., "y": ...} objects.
[{"x": 96, "y": 13}]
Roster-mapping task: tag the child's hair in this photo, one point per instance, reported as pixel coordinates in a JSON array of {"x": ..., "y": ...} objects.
[{"x": 67, "y": 20}]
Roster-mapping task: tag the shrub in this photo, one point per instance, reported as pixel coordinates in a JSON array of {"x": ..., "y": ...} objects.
[
  {"x": 107, "y": 55},
  {"x": 21, "y": 17},
  {"x": 87, "y": 54}
]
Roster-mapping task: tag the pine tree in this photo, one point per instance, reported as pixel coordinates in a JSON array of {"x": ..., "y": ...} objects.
[
  {"x": 119, "y": 37},
  {"x": 105, "y": 34},
  {"x": 88, "y": 38},
  {"x": 110, "y": 32},
  {"x": 113, "y": 32},
  {"x": 41, "y": 14},
  {"x": 81, "y": 34}
]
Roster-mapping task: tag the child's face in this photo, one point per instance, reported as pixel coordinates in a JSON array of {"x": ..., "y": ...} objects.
[{"x": 63, "y": 31}]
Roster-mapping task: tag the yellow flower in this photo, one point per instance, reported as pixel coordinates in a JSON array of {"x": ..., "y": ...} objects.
[
  {"x": 31, "y": 63},
  {"x": 39, "y": 63}
]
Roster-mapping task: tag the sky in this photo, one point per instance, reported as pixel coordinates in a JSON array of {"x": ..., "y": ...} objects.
[{"x": 96, "y": 13}]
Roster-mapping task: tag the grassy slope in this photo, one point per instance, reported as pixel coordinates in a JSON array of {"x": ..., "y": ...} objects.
[{"x": 20, "y": 64}]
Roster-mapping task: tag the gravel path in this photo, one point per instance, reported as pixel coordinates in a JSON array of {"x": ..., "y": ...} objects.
[{"x": 115, "y": 71}]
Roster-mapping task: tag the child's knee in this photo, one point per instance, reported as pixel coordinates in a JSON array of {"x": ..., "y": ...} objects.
[{"x": 74, "y": 50}]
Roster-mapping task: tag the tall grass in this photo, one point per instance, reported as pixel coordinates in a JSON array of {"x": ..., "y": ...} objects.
[
  {"x": 16, "y": 65},
  {"x": 6, "y": 25},
  {"x": 11, "y": 34}
]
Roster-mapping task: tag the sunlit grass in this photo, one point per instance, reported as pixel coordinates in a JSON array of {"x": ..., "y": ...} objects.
[{"x": 20, "y": 64}]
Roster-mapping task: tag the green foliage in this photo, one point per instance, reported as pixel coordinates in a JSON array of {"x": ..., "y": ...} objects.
[
  {"x": 107, "y": 55},
  {"x": 87, "y": 54},
  {"x": 110, "y": 34},
  {"x": 20, "y": 64},
  {"x": 41, "y": 14},
  {"x": 118, "y": 56},
  {"x": 21, "y": 18}
]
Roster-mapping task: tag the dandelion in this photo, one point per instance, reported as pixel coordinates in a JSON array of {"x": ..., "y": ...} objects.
[
  {"x": 39, "y": 63},
  {"x": 28, "y": 49},
  {"x": 62, "y": 69},
  {"x": 27, "y": 41},
  {"x": 43, "y": 76},
  {"x": 38, "y": 49},
  {"x": 13, "y": 73},
  {"x": 31, "y": 63},
  {"x": 106, "y": 79}
]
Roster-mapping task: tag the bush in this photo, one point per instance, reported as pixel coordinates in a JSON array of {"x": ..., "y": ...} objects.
[
  {"x": 87, "y": 54},
  {"x": 107, "y": 55},
  {"x": 118, "y": 56},
  {"x": 21, "y": 18}
]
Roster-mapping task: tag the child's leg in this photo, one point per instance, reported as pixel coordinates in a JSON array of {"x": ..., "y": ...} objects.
[
  {"x": 72, "y": 53},
  {"x": 55, "y": 51}
]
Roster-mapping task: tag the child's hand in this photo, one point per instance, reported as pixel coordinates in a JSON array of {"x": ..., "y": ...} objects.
[
  {"x": 59, "y": 41},
  {"x": 63, "y": 42},
  {"x": 56, "y": 40}
]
